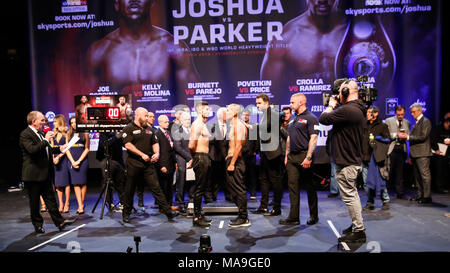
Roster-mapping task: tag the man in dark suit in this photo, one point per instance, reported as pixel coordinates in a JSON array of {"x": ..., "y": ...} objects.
[
  {"x": 420, "y": 151},
  {"x": 38, "y": 170},
  {"x": 218, "y": 147},
  {"x": 271, "y": 157},
  {"x": 183, "y": 157},
  {"x": 166, "y": 162}
]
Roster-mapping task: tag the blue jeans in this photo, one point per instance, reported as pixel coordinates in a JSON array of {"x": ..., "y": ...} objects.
[
  {"x": 334, "y": 188},
  {"x": 384, "y": 193}
]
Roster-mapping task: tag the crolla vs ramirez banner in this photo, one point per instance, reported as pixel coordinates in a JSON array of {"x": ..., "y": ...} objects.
[{"x": 165, "y": 53}]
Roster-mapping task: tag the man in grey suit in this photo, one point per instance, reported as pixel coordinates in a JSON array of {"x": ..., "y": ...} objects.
[
  {"x": 397, "y": 149},
  {"x": 420, "y": 152},
  {"x": 182, "y": 156}
]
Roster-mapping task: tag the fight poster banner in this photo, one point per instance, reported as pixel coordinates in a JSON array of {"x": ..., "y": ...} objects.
[{"x": 165, "y": 53}]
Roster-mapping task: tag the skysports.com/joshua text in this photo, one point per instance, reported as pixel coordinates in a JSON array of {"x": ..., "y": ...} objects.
[
  {"x": 378, "y": 10},
  {"x": 65, "y": 25}
]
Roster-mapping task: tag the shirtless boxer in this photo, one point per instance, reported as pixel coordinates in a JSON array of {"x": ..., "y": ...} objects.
[
  {"x": 199, "y": 148},
  {"x": 312, "y": 40},
  {"x": 138, "y": 52},
  {"x": 81, "y": 110},
  {"x": 124, "y": 109},
  {"x": 236, "y": 165}
]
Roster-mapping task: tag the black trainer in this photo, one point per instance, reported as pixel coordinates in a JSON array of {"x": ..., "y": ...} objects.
[
  {"x": 204, "y": 218},
  {"x": 353, "y": 237},
  {"x": 39, "y": 230},
  {"x": 200, "y": 222},
  {"x": 240, "y": 223},
  {"x": 260, "y": 210},
  {"x": 312, "y": 221},
  {"x": 234, "y": 220},
  {"x": 348, "y": 230},
  {"x": 66, "y": 223},
  {"x": 273, "y": 212}
]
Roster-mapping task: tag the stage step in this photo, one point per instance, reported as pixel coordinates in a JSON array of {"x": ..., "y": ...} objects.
[{"x": 224, "y": 208}]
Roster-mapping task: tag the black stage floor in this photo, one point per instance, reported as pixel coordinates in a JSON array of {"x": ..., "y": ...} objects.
[{"x": 406, "y": 227}]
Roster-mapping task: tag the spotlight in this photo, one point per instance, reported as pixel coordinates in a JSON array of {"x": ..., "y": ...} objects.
[{"x": 205, "y": 244}]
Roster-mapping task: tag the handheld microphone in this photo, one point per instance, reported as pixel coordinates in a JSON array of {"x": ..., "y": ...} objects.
[{"x": 46, "y": 129}]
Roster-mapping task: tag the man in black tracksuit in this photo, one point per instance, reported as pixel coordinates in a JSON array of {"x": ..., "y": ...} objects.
[
  {"x": 349, "y": 123},
  {"x": 300, "y": 145},
  {"x": 143, "y": 153}
]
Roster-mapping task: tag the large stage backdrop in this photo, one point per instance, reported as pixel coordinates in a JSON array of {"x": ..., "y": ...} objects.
[{"x": 169, "y": 52}]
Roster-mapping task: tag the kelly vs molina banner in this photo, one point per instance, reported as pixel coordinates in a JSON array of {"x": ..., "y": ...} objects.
[{"x": 165, "y": 53}]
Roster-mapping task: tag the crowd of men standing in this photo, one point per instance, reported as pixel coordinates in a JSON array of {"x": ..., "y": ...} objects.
[{"x": 223, "y": 153}]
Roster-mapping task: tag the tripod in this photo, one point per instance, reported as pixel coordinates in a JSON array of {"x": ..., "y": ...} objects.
[{"x": 109, "y": 181}]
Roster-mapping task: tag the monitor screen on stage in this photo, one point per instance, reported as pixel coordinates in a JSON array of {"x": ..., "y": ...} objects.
[{"x": 102, "y": 113}]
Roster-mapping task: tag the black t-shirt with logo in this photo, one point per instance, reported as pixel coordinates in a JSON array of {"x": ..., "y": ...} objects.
[
  {"x": 142, "y": 138},
  {"x": 300, "y": 130}
]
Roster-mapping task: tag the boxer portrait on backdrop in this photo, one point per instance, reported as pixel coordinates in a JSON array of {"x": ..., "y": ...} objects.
[{"x": 137, "y": 52}]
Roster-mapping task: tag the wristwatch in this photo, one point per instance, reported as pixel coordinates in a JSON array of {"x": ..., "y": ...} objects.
[{"x": 309, "y": 158}]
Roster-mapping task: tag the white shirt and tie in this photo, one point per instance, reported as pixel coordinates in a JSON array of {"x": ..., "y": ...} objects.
[
  {"x": 167, "y": 136},
  {"x": 223, "y": 129},
  {"x": 186, "y": 130},
  {"x": 41, "y": 137}
]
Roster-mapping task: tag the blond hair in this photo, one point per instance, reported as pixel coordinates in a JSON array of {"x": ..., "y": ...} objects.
[
  {"x": 235, "y": 108},
  {"x": 60, "y": 125}
]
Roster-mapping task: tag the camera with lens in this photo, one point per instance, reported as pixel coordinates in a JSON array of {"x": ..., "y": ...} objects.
[
  {"x": 334, "y": 91},
  {"x": 365, "y": 92}
]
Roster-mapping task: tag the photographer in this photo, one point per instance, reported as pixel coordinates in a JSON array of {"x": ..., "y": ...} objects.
[
  {"x": 110, "y": 144},
  {"x": 348, "y": 122}
]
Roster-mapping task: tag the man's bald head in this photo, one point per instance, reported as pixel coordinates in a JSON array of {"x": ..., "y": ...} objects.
[
  {"x": 299, "y": 96},
  {"x": 353, "y": 91},
  {"x": 233, "y": 110},
  {"x": 140, "y": 116},
  {"x": 140, "y": 111},
  {"x": 298, "y": 102}
]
